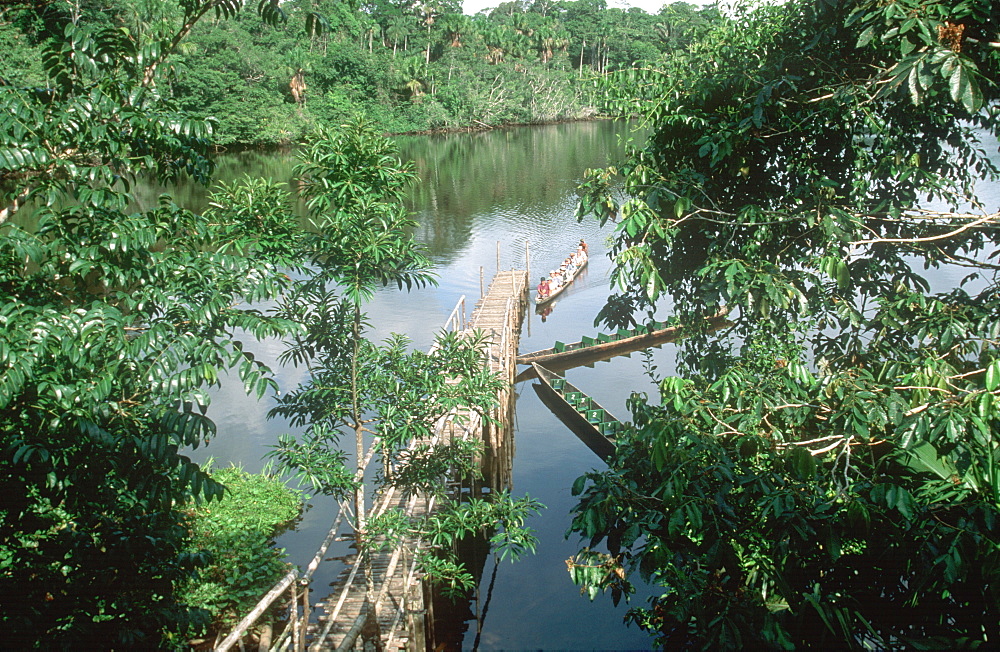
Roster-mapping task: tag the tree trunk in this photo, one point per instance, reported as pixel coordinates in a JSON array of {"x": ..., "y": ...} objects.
[
  {"x": 370, "y": 632},
  {"x": 298, "y": 87},
  {"x": 359, "y": 441}
]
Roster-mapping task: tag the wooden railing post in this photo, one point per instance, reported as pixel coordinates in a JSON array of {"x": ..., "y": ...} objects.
[
  {"x": 416, "y": 616},
  {"x": 293, "y": 619}
]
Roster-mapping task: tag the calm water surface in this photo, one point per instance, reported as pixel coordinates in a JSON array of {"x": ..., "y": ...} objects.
[{"x": 517, "y": 188}]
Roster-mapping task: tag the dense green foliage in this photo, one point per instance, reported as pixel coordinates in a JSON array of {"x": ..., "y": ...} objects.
[
  {"x": 238, "y": 532},
  {"x": 827, "y": 472},
  {"x": 405, "y": 67},
  {"x": 115, "y": 321}
]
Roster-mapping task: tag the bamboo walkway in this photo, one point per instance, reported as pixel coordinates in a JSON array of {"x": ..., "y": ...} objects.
[{"x": 401, "y": 600}]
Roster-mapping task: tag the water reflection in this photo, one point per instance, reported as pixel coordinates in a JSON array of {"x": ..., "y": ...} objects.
[{"x": 515, "y": 183}]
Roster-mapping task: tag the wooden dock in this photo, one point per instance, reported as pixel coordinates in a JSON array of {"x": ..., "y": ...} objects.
[{"x": 401, "y": 601}]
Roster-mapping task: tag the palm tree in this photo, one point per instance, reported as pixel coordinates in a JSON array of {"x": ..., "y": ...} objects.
[
  {"x": 519, "y": 45},
  {"x": 399, "y": 28},
  {"x": 298, "y": 66},
  {"x": 428, "y": 12},
  {"x": 523, "y": 24},
  {"x": 412, "y": 78},
  {"x": 497, "y": 39},
  {"x": 545, "y": 41},
  {"x": 455, "y": 26}
]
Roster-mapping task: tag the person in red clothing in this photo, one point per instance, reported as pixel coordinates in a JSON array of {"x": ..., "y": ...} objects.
[{"x": 543, "y": 288}]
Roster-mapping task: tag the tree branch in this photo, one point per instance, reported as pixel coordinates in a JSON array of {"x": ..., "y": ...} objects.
[
  {"x": 985, "y": 219},
  {"x": 14, "y": 206},
  {"x": 150, "y": 72}
]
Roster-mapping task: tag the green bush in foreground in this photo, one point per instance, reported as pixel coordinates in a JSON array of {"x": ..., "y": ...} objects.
[{"x": 238, "y": 532}]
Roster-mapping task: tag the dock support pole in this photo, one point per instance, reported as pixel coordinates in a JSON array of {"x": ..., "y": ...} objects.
[
  {"x": 264, "y": 644},
  {"x": 482, "y": 293},
  {"x": 305, "y": 615},
  {"x": 416, "y": 615},
  {"x": 498, "y": 256},
  {"x": 293, "y": 621}
]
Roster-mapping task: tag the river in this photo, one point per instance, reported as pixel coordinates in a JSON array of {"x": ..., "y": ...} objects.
[{"x": 515, "y": 187}]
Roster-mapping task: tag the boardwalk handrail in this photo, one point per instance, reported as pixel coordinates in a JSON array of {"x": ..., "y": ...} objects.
[
  {"x": 456, "y": 320},
  {"x": 352, "y": 634},
  {"x": 402, "y": 604},
  {"x": 256, "y": 612},
  {"x": 278, "y": 589}
]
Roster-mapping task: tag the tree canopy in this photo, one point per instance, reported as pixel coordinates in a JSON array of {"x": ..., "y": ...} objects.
[
  {"x": 827, "y": 472},
  {"x": 116, "y": 318},
  {"x": 414, "y": 67}
]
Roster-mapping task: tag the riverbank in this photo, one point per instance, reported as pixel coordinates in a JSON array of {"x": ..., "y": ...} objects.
[
  {"x": 263, "y": 88},
  {"x": 288, "y": 146},
  {"x": 479, "y": 126}
]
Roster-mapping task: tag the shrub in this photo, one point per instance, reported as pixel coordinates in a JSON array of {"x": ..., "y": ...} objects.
[{"x": 238, "y": 533}]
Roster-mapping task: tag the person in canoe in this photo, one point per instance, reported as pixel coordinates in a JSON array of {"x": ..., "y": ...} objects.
[
  {"x": 583, "y": 247},
  {"x": 560, "y": 278},
  {"x": 568, "y": 272},
  {"x": 543, "y": 288}
]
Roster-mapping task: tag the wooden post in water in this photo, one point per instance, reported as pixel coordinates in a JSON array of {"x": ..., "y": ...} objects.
[
  {"x": 498, "y": 256},
  {"x": 481, "y": 292},
  {"x": 527, "y": 287},
  {"x": 527, "y": 259},
  {"x": 305, "y": 615}
]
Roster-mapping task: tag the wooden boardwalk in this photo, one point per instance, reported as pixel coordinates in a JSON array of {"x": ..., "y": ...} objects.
[{"x": 400, "y": 597}]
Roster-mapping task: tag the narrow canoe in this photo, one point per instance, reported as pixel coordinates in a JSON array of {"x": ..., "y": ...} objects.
[
  {"x": 603, "y": 347},
  {"x": 556, "y": 292},
  {"x": 589, "y": 421}
]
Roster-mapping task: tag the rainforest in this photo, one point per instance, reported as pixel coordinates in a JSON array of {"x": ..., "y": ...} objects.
[
  {"x": 824, "y": 472},
  {"x": 407, "y": 66}
]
